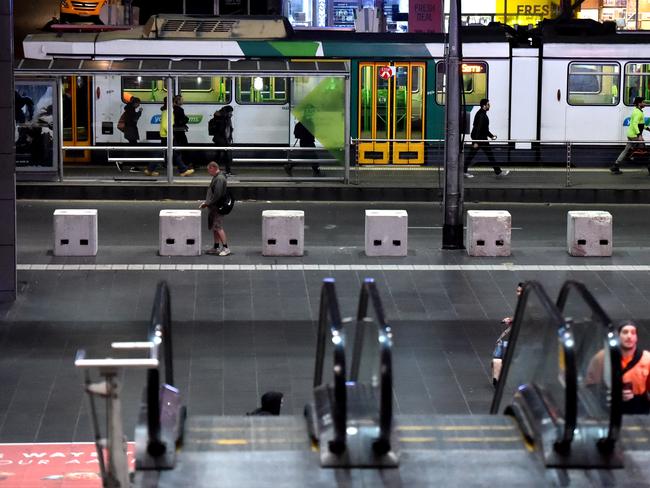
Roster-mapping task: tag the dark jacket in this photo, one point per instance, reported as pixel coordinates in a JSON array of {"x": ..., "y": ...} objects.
[
  {"x": 131, "y": 117},
  {"x": 216, "y": 191},
  {"x": 306, "y": 138},
  {"x": 221, "y": 129},
  {"x": 271, "y": 404},
  {"x": 481, "y": 126},
  {"x": 180, "y": 126}
]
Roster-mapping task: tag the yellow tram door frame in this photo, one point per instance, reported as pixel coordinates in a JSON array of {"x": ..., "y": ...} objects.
[
  {"x": 410, "y": 129},
  {"x": 77, "y": 118},
  {"x": 370, "y": 150}
]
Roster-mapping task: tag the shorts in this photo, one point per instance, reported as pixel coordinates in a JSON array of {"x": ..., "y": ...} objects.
[{"x": 215, "y": 220}]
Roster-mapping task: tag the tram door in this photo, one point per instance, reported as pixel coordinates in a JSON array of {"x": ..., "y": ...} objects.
[
  {"x": 391, "y": 113},
  {"x": 76, "y": 117}
]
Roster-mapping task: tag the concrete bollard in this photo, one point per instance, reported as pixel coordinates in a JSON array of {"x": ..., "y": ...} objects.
[
  {"x": 75, "y": 232},
  {"x": 488, "y": 233},
  {"x": 589, "y": 233},
  {"x": 180, "y": 232},
  {"x": 386, "y": 233},
  {"x": 283, "y": 233}
]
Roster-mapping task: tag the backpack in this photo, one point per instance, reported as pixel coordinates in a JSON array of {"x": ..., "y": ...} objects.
[
  {"x": 226, "y": 203},
  {"x": 121, "y": 124}
]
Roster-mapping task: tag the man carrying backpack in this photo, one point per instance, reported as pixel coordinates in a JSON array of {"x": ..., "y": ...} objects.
[{"x": 214, "y": 202}]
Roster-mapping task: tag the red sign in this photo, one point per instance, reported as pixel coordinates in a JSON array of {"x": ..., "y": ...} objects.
[
  {"x": 386, "y": 72},
  {"x": 425, "y": 15},
  {"x": 57, "y": 465}
]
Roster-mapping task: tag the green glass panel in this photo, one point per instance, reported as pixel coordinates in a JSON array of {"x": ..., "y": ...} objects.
[
  {"x": 365, "y": 131},
  {"x": 401, "y": 94}
]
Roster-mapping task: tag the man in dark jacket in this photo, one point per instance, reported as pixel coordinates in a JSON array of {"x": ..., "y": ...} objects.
[
  {"x": 216, "y": 192},
  {"x": 307, "y": 139},
  {"x": 132, "y": 113},
  {"x": 221, "y": 129},
  {"x": 480, "y": 134},
  {"x": 271, "y": 404}
]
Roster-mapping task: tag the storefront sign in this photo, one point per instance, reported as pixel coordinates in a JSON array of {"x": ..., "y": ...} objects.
[
  {"x": 524, "y": 12},
  {"x": 425, "y": 16}
]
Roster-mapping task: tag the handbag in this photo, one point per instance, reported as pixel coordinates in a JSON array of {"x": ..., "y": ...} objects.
[
  {"x": 226, "y": 203},
  {"x": 121, "y": 124}
]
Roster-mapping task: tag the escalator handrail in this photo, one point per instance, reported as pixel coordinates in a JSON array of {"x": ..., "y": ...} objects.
[
  {"x": 370, "y": 294},
  {"x": 533, "y": 287},
  {"x": 330, "y": 324},
  {"x": 612, "y": 343}
]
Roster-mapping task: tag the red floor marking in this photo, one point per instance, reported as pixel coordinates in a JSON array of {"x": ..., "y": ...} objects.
[{"x": 56, "y": 465}]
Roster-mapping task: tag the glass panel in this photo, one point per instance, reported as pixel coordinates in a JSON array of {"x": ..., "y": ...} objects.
[
  {"x": 381, "y": 117},
  {"x": 592, "y": 363},
  {"x": 417, "y": 105},
  {"x": 210, "y": 89},
  {"x": 534, "y": 355},
  {"x": 35, "y": 125},
  {"x": 474, "y": 82},
  {"x": 261, "y": 90},
  {"x": 82, "y": 108},
  {"x": 319, "y": 103},
  {"x": 365, "y": 102},
  {"x": 147, "y": 88},
  {"x": 66, "y": 82},
  {"x": 593, "y": 84},
  {"x": 637, "y": 82},
  {"x": 401, "y": 107}
]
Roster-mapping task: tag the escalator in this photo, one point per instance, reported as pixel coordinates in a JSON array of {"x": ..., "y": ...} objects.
[
  {"x": 564, "y": 408},
  {"x": 351, "y": 418}
]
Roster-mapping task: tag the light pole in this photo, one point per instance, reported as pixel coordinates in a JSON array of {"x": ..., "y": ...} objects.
[{"x": 452, "y": 229}]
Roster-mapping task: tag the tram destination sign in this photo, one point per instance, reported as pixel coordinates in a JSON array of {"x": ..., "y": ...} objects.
[{"x": 386, "y": 72}]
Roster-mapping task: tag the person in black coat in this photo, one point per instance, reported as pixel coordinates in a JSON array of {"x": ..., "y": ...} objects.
[
  {"x": 271, "y": 404},
  {"x": 132, "y": 113},
  {"x": 221, "y": 129},
  {"x": 307, "y": 139},
  {"x": 480, "y": 134}
]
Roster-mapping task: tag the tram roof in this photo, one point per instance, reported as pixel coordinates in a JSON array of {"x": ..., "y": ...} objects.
[{"x": 186, "y": 37}]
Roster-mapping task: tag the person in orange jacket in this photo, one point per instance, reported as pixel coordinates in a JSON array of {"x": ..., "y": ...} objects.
[{"x": 635, "y": 365}]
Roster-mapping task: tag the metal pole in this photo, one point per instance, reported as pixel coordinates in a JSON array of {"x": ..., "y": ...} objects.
[
  {"x": 346, "y": 134},
  {"x": 170, "y": 130},
  {"x": 128, "y": 12},
  {"x": 215, "y": 8},
  {"x": 452, "y": 230},
  {"x": 59, "y": 112}
]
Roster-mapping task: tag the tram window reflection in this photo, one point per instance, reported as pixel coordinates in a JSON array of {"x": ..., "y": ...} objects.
[
  {"x": 261, "y": 90},
  {"x": 637, "y": 82},
  {"x": 475, "y": 82},
  {"x": 593, "y": 84},
  {"x": 148, "y": 89},
  {"x": 206, "y": 89}
]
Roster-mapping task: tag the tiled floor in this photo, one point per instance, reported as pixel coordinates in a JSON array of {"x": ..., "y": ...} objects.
[{"x": 240, "y": 332}]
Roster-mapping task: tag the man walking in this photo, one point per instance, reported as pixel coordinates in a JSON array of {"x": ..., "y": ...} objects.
[
  {"x": 213, "y": 198},
  {"x": 480, "y": 134},
  {"x": 634, "y": 133},
  {"x": 635, "y": 366}
]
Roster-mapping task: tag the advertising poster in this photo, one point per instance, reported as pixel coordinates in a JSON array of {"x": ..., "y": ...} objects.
[
  {"x": 425, "y": 16},
  {"x": 35, "y": 126},
  {"x": 60, "y": 465}
]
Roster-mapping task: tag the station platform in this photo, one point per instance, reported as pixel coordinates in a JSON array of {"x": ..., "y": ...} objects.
[
  {"x": 245, "y": 324},
  {"x": 367, "y": 183}
]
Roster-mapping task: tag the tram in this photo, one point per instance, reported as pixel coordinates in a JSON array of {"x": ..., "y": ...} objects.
[{"x": 385, "y": 92}]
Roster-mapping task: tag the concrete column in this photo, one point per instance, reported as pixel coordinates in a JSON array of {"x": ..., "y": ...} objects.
[{"x": 7, "y": 157}]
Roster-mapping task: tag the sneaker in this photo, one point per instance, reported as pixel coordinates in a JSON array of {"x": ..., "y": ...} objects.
[
  {"x": 468, "y": 175},
  {"x": 213, "y": 252},
  {"x": 151, "y": 173},
  {"x": 503, "y": 173},
  {"x": 225, "y": 252},
  {"x": 615, "y": 170},
  {"x": 119, "y": 165},
  {"x": 187, "y": 172},
  {"x": 288, "y": 169}
]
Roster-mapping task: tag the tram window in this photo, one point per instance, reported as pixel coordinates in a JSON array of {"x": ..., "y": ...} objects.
[
  {"x": 205, "y": 89},
  {"x": 474, "y": 82},
  {"x": 148, "y": 89},
  {"x": 593, "y": 84},
  {"x": 261, "y": 90},
  {"x": 637, "y": 82}
]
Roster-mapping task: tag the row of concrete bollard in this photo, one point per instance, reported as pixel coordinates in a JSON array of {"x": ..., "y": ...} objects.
[
  {"x": 283, "y": 232},
  {"x": 489, "y": 233}
]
